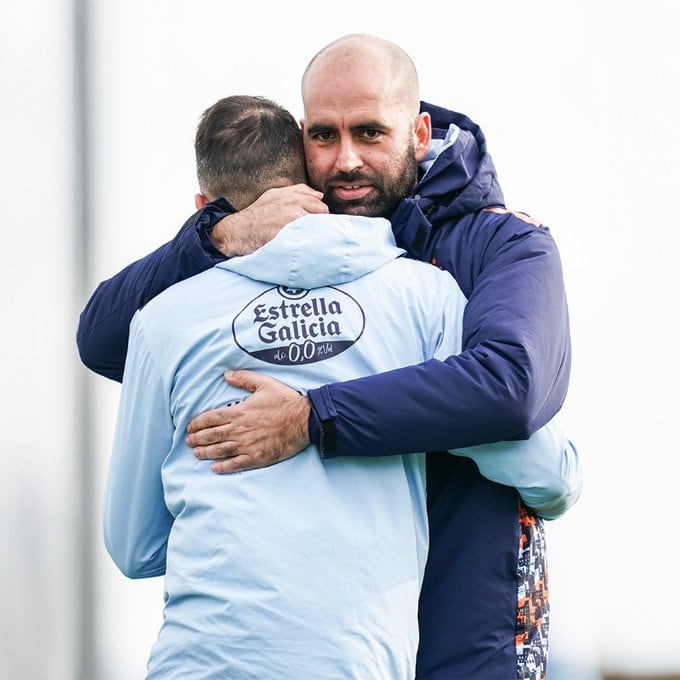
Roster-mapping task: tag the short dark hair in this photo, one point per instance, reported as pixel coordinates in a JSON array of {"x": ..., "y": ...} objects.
[{"x": 246, "y": 145}]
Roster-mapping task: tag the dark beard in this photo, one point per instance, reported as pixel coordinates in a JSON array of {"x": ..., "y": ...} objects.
[{"x": 384, "y": 198}]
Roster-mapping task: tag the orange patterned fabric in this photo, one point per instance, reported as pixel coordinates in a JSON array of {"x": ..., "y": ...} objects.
[{"x": 533, "y": 607}]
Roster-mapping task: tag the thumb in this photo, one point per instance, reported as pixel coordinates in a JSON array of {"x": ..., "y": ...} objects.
[{"x": 247, "y": 380}]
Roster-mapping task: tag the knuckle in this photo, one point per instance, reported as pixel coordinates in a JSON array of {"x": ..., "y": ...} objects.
[{"x": 216, "y": 452}]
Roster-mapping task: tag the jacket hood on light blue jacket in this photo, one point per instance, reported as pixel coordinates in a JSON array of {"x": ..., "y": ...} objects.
[{"x": 320, "y": 250}]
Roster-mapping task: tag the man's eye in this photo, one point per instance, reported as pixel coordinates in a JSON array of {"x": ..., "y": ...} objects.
[
  {"x": 323, "y": 136},
  {"x": 372, "y": 134}
]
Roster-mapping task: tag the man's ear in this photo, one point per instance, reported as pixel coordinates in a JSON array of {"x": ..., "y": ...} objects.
[
  {"x": 200, "y": 201},
  {"x": 422, "y": 133}
]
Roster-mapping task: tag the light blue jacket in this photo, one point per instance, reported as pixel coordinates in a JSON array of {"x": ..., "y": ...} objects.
[{"x": 309, "y": 568}]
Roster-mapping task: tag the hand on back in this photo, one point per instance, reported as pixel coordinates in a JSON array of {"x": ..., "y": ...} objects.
[{"x": 266, "y": 428}]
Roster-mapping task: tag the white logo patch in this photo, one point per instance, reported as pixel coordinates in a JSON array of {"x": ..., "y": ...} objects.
[{"x": 290, "y": 326}]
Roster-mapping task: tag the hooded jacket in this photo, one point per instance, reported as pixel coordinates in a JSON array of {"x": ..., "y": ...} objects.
[
  {"x": 309, "y": 568},
  {"x": 330, "y": 551}
]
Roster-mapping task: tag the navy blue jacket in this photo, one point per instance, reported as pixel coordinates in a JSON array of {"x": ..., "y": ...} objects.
[{"x": 511, "y": 378}]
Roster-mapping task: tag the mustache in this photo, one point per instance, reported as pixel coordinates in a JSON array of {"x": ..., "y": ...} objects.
[{"x": 354, "y": 177}]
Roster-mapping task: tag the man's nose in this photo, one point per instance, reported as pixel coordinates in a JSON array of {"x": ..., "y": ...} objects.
[{"x": 349, "y": 157}]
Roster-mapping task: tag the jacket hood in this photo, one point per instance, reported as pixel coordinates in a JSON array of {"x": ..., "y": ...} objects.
[
  {"x": 320, "y": 250},
  {"x": 458, "y": 177}
]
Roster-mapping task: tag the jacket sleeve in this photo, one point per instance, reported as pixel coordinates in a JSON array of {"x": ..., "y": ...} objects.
[
  {"x": 136, "y": 520},
  {"x": 510, "y": 379},
  {"x": 103, "y": 329},
  {"x": 545, "y": 469}
]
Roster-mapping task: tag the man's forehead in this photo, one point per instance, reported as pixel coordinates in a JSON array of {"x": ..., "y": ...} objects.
[
  {"x": 347, "y": 116},
  {"x": 349, "y": 89},
  {"x": 352, "y": 112}
]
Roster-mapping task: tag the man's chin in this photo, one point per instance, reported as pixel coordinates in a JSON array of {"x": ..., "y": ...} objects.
[{"x": 361, "y": 208}]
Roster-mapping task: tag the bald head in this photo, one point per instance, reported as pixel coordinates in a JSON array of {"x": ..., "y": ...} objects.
[
  {"x": 364, "y": 133},
  {"x": 380, "y": 64}
]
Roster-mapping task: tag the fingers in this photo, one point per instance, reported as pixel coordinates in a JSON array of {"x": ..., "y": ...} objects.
[
  {"x": 244, "y": 461},
  {"x": 235, "y": 464},
  {"x": 247, "y": 380},
  {"x": 311, "y": 200},
  {"x": 265, "y": 428},
  {"x": 210, "y": 419},
  {"x": 297, "y": 199},
  {"x": 217, "y": 451},
  {"x": 215, "y": 419},
  {"x": 303, "y": 189},
  {"x": 212, "y": 438},
  {"x": 315, "y": 207},
  {"x": 239, "y": 463}
]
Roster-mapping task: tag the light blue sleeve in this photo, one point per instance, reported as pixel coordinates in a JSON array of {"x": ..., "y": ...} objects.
[
  {"x": 136, "y": 520},
  {"x": 545, "y": 469}
]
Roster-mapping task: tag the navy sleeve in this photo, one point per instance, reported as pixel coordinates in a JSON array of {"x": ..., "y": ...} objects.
[
  {"x": 511, "y": 377},
  {"x": 104, "y": 325}
]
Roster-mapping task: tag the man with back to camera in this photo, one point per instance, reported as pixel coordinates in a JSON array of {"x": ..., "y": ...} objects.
[{"x": 483, "y": 609}]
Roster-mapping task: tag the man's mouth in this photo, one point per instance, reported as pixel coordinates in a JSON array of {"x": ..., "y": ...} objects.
[{"x": 352, "y": 192}]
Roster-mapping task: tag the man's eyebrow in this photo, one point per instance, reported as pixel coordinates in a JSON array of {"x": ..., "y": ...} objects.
[
  {"x": 357, "y": 127},
  {"x": 319, "y": 127},
  {"x": 369, "y": 125},
  {"x": 372, "y": 125}
]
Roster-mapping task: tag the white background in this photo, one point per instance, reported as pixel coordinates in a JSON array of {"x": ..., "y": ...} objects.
[{"x": 580, "y": 103}]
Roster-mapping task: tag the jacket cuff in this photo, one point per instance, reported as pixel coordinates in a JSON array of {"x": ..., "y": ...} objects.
[
  {"x": 206, "y": 220},
  {"x": 321, "y": 422}
]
